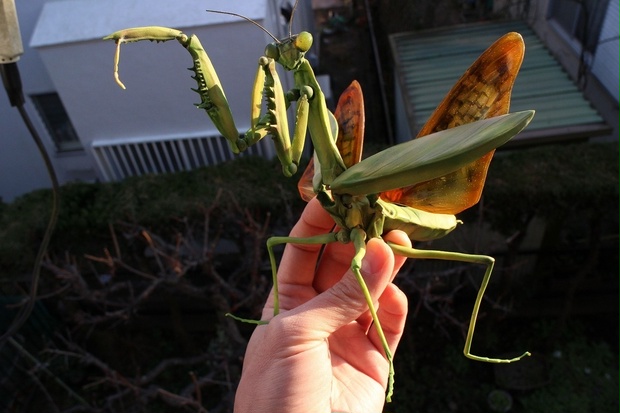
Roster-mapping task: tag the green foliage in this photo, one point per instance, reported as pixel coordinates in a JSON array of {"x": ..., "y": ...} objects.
[
  {"x": 184, "y": 249},
  {"x": 583, "y": 375},
  {"x": 432, "y": 375},
  {"x": 580, "y": 372},
  {"x": 155, "y": 201},
  {"x": 438, "y": 382},
  {"x": 552, "y": 181}
]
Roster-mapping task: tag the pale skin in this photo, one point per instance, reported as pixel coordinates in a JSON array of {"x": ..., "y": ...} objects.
[{"x": 321, "y": 353}]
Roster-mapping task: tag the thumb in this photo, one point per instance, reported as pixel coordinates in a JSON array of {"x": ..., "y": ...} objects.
[{"x": 345, "y": 301}]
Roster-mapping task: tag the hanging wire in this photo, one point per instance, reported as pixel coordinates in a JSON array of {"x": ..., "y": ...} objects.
[{"x": 12, "y": 84}]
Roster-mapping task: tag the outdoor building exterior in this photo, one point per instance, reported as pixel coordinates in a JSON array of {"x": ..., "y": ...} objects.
[
  {"x": 94, "y": 130},
  {"x": 589, "y": 55},
  {"x": 573, "y": 89}
]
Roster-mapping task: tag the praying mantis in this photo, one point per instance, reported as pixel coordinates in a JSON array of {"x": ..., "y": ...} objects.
[{"x": 417, "y": 186}]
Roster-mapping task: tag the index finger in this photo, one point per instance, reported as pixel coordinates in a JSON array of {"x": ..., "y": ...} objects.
[{"x": 298, "y": 262}]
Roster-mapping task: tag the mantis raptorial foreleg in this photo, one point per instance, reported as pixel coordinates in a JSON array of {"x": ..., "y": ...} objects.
[
  {"x": 213, "y": 99},
  {"x": 485, "y": 260},
  {"x": 267, "y": 83},
  {"x": 275, "y": 122}
]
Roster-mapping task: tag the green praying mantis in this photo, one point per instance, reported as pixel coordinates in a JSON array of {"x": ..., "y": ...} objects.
[{"x": 417, "y": 186}]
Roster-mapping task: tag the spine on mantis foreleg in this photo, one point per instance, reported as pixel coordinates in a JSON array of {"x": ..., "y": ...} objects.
[
  {"x": 274, "y": 121},
  {"x": 212, "y": 97}
]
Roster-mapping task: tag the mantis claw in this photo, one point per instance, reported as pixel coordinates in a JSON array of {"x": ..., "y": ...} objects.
[
  {"x": 495, "y": 360},
  {"x": 117, "y": 56}
]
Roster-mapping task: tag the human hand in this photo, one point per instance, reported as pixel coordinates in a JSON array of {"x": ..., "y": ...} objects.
[{"x": 321, "y": 353}]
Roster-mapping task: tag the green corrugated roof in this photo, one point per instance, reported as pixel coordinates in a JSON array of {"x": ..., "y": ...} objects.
[{"x": 429, "y": 62}]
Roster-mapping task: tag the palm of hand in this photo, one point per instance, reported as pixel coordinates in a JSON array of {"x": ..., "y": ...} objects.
[{"x": 320, "y": 353}]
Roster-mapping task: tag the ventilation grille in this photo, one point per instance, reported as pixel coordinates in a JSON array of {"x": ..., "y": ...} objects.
[{"x": 117, "y": 159}]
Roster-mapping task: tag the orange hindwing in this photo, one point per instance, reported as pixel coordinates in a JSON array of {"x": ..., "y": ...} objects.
[{"x": 482, "y": 92}]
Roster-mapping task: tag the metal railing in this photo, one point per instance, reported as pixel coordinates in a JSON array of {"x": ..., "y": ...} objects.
[{"x": 118, "y": 159}]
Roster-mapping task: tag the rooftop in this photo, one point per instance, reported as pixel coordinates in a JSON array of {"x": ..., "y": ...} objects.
[{"x": 429, "y": 62}]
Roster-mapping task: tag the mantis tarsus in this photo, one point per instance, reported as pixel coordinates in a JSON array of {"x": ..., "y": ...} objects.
[{"x": 416, "y": 186}]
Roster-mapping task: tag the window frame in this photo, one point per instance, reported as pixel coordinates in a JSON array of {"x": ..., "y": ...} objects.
[
  {"x": 581, "y": 21},
  {"x": 52, "y": 112}
]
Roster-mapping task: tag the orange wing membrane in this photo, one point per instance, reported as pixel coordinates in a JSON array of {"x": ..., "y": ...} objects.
[
  {"x": 482, "y": 92},
  {"x": 351, "y": 120},
  {"x": 350, "y": 141}
]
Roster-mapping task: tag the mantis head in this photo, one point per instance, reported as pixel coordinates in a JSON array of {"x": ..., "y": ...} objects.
[{"x": 290, "y": 52}]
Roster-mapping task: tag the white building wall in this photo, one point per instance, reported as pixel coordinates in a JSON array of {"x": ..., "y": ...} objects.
[
  {"x": 158, "y": 100},
  {"x": 64, "y": 53}
]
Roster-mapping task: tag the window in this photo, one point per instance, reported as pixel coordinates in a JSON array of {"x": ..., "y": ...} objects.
[
  {"x": 581, "y": 19},
  {"x": 57, "y": 121}
]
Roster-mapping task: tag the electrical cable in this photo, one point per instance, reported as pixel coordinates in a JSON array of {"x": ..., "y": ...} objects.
[{"x": 13, "y": 86}]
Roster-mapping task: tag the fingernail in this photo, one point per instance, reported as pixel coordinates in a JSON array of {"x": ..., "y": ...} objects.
[{"x": 370, "y": 263}]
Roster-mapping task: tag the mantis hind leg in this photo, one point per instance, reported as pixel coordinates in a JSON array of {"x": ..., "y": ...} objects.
[{"x": 489, "y": 262}]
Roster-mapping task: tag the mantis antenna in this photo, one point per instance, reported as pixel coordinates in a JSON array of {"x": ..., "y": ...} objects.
[
  {"x": 290, "y": 22},
  {"x": 248, "y": 19}
]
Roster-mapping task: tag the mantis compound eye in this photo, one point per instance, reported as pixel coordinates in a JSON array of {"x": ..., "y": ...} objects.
[
  {"x": 303, "y": 41},
  {"x": 272, "y": 52}
]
